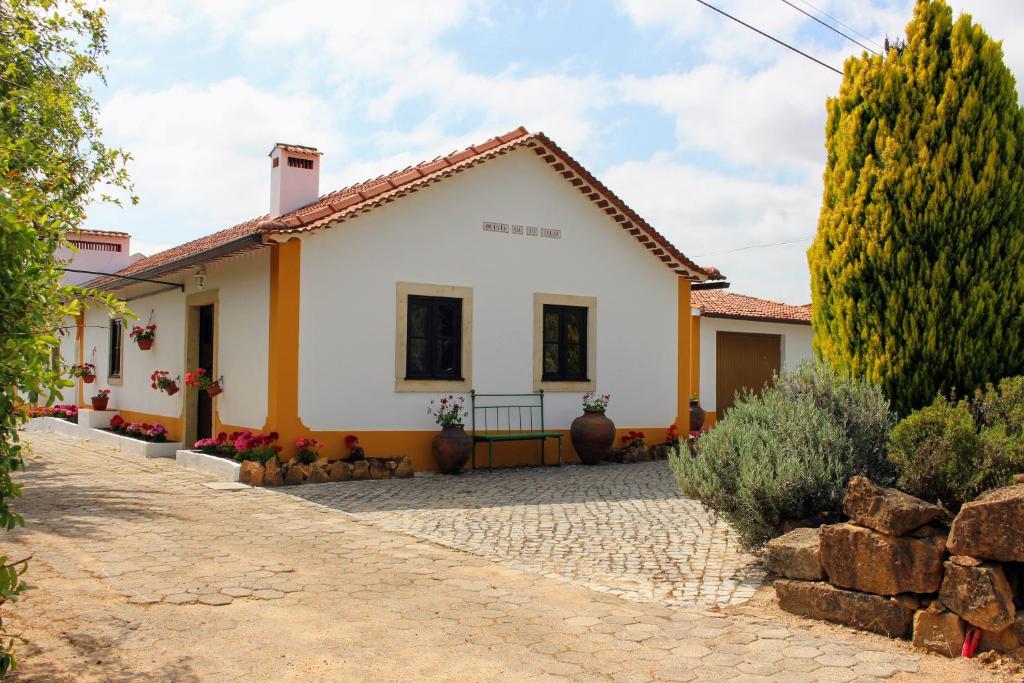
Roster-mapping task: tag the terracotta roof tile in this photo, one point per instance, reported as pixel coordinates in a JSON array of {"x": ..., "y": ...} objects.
[
  {"x": 99, "y": 233},
  {"x": 361, "y": 197},
  {"x": 718, "y": 303}
]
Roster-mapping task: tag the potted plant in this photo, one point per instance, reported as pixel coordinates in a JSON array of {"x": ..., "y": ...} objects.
[
  {"x": 143, "y": 336},
  {"x": 87, "y": 371},
  {"x": 453, "y": 446},
  {"x": 200, "y": 380},
  {"x": 161, "y": 381},
  {"x": 309, "y": 450},
  {"x": 355, "y": 451},
  {"x": 99, "y": 401},
  {"x": 592, "y": 433},
  {"x": 697, "y": 414}
]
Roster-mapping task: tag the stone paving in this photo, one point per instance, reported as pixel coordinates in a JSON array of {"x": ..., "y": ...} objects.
[
  {"x": 620, "y": 529},
  {"x": 142, "y": 572}
]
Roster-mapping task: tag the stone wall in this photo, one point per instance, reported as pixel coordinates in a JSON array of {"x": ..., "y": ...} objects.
[
  {"x": 274, "y": 473},
  {"x": 895, "y": 569}
]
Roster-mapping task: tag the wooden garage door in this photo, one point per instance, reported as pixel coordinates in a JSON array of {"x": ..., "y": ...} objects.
[{"x": 744, "y": 361}]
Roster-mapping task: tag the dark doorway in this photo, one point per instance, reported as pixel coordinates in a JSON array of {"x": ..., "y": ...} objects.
[{"x": 204, "y": 403}]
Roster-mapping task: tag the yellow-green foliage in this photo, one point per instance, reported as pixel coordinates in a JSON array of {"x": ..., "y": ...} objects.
[{"x": 917, "y": 270}]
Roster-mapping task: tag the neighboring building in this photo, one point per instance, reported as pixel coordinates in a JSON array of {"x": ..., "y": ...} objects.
[
  {"x": 96, "y": 251},
  {"x": 740, "y": 342},
  {"x": 505, "y": 267}
]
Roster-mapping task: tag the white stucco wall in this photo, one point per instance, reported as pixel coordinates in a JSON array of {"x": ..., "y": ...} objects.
[
  {"x": 88, "y": 259},
  {"x": 242, "y": 286},
  {"x": 796, "y": 346},
  {"x": 435, "y": 236}
]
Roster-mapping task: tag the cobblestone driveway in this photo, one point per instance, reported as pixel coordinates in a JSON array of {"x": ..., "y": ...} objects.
[
  {"x": 141, "y": 572},
  {"x": 620, "y": 529}
]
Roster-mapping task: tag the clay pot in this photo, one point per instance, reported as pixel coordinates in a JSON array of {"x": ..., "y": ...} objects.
[
  {"x": 171, "y": 388},
  {"x": 452, "y": 448},
  {"x": 88, "y": 379},
  {"x": 144, "y": 344},
  {"x": 592, "y": 435},
  {"x": 697, "y": 415},
  {"x": 99, "y": 402},
  {"x": 214, "y": 388}
]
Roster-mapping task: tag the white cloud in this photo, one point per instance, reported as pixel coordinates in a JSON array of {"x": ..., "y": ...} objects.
[{"x": 705, "y": 213}]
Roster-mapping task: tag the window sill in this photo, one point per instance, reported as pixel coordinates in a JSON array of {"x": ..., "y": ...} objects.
[
  {"x": 432, "y": 386},
  {"x": 115, "y": 381},
  {"x": 567, "y": 386}
]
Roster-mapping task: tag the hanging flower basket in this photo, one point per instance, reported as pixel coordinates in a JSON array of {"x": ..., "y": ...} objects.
[
  {"x": 99, "y": 401},
  {"x": 144, "y": 336},
  {"x": 161, "y": 380},
  {"x": 87, "y": 371},
  {"x": 200, "y": 380}
]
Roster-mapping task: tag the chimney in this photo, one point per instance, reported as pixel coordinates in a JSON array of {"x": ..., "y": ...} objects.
[{"x": 294, "y": 177}]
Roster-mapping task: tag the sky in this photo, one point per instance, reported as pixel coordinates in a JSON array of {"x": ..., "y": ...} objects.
[{"x": 711, "y": 132}]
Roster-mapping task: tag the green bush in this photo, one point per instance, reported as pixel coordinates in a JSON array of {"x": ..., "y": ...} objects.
[
  {"x": 935, "y": 450},
  {"x": 952, "y": 451},
  {"x": 788, "y": 454}
]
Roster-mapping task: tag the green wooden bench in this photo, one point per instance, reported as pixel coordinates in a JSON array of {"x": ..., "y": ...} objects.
[{"x": 509, "y": 417}]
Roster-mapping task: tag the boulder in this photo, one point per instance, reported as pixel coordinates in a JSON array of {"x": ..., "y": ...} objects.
[
  {"x": 978, "y": 592},
  {"x": 938, "y": 630},
  {"x": 251, "y": 473},
  {"x": 990, "y": 527},
  {"x": 297, "y": 473},
  {"x": 869, "y": 561},
  {"x": 360, "y": 470},
  {"x": 318, "y": 474},
  {"x": 796, "y": 555},
  {"x": 339, "y": 471},
  {"x": 887, "y": 510},
  {"x": 1004, "y": 642},
  {"x": 272, "y": 475},
  {"x": 379, "y": 469},
  {"x": 816, "y": 599},
  {"x": 403, "y": 469}
]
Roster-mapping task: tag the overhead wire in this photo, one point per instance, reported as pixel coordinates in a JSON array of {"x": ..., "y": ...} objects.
[
  {"x": 846, "y": 26},
  {"x": 772, "y": 38},
  {"x": 829, "y": 26}
]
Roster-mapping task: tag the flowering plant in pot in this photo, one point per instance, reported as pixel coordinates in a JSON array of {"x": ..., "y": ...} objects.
[
  {"x": 143, "y": 335},
  {"x": 200, "y": 380},
  {"x": 453, "y": 446},
  {"x": 161, "y": 381},
  {"x": 355, "y": 451},
  {"x": 99, "y": 401},
  {"x": 697, "y": 414},
  {"x": 309, "y": 450},
  {"x": 87, "y": 371},
  {"x": 592, "y": 433}
]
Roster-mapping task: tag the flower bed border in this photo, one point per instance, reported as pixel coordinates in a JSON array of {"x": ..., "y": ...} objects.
[{"x": 222, "y": 468}]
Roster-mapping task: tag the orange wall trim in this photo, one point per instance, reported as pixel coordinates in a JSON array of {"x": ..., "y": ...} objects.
[
  {"x": 695, "y": 355},
  {"x": 283, "y": 351},
  {"x": 684, "y": 338}
]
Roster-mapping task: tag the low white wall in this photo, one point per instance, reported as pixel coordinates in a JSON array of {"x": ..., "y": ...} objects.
[{"x": 796, "y": 346}]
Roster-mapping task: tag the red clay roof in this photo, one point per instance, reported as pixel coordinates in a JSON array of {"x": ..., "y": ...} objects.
[
  {"x": 351, "y": 201},
  {"x": 718, "y": 303}
]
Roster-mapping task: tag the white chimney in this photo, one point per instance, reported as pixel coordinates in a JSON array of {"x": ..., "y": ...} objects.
[{"x": 294, "y": 177}]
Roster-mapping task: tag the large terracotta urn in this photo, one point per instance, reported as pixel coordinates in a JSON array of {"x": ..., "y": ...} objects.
[
  {"x": 592, "y": 435},
  {"x": 452, "y": 448},
  {"x": 696, "y": 415}
]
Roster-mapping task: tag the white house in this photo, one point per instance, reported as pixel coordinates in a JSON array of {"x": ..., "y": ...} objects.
[
  {"x": 504, "y": 268},
  {"x": 740, "y": 341}
]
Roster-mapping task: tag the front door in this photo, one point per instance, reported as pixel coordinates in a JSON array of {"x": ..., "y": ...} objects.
[{"x": 204, "y": 404}]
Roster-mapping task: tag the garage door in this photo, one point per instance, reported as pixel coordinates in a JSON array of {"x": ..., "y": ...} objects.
[{"x": 744, "y": 361}]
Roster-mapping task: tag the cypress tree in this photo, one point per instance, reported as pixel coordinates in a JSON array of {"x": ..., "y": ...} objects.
[{"x": 917, "y": 269}]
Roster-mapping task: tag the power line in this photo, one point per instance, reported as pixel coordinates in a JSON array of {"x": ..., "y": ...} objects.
[
  {"x": 830, "y": 27},
  {"x": 846, "y": 26},
  {"x": 773, "y": 38},
  {"x": 754, "y": 246}
]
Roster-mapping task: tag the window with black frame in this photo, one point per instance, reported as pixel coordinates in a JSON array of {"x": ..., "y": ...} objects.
[
  {"x": 565, "y": 343},
  {"x": 433, "y": 338},
  {"x": 114, "y": 365}
]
